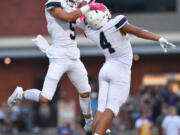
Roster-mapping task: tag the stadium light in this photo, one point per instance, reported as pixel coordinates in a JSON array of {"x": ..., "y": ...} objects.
[
  {"x": 7, "y": 61},
  {"x": 136, "y": 57}
]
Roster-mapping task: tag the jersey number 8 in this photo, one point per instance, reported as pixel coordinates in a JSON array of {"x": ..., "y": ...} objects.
[{"x": 105, "y": 44}]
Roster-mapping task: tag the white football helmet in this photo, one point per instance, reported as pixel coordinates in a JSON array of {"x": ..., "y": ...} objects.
[{"x": 96, "y": 19}]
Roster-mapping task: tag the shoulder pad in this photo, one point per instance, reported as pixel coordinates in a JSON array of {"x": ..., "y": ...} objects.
[
  {"x": 120, "y": 21},
  {"x": 52, "y": 4}
]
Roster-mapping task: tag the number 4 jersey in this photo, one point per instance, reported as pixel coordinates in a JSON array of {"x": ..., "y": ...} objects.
[
  {"x": 114, "y": 45},
  {"x": 62, "y": 32}
]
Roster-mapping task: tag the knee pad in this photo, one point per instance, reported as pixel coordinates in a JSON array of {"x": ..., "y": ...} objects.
[{"x": 83, "y": 88}]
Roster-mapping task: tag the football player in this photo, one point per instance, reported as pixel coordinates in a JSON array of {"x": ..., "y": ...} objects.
[
  {"x": 63, "y": 56},
  {"x": 111, "y": 36}
]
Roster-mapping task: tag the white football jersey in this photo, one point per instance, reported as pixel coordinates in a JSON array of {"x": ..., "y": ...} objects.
[
  {"x": 62, "y": 33},
  {"x": 113, "y": 44}
]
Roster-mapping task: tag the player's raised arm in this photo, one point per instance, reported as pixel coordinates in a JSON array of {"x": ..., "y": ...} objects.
[
  {"x": 142, "y": 33},
  {"x": 58, "y": 12}
]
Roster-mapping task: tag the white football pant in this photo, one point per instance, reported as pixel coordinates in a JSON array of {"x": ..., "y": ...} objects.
[
  {"x": 114, "y": 85},
  {"x": 75, "y": 71}
]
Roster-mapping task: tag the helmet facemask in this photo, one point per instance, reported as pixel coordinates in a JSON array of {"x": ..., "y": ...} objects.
[{"x": 73, "y": 3}]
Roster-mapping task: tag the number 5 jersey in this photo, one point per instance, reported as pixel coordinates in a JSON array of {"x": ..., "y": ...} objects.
[
  {"x": 114, "y": 44},
  {"x": 62, "y": 33}
]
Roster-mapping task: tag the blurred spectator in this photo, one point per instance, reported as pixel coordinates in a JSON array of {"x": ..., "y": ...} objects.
[
  {"x": 15, "y": 119},
  {"x": 119, "y": 123},
  {"x": 178, "y": 106},
  {"x": 143, "y": 124},
  {"x": 44, "y": 111},
  {"x": 77, "y": 128},
  {"x": 146, "y": 98},
  {"x": 2, "y": 119},
  {"x": 6, "y": 122},
  {"x": 171, "y": 123},
  {"x": 93, "y": 81},
  {"x": 160, "y": 118},
  {"x": 43, "y": 115},
  {"x": 133, "y": 104},
  {"x": 94, "y": 94},
  {"x": 153, "y": 99},
  {"x": 27, "y": 112},
  {"x": 116, "y": 125},
  {"x": 65, "y": 130},
  {"x": 165, "y": 93},
  {"x": 172, "y": 99},
  {"x": 158, "y": 102}
]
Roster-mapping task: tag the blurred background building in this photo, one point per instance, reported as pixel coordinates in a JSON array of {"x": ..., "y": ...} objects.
[{"x": 155, "y": 75}]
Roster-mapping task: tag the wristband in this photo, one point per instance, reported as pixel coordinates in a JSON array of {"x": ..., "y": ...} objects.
[{"x": 84, "y": 9}]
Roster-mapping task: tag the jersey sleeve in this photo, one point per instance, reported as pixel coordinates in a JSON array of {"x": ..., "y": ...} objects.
[
  {"x": 50, "y": 4},
  {"x": 120, "y": 21}
]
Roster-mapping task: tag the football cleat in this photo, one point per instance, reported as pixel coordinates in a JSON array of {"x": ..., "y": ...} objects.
[
  {"x": 88, "y": 126},
  {"x": 108, "y": 131},
  {"x": 16, "y": 97}
]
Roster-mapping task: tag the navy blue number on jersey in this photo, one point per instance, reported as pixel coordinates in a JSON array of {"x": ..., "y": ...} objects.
[
  {"x": 72, "y": 28},
  {"x": 105, "y": 44}
]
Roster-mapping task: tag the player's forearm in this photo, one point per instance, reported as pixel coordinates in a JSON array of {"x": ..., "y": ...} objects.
[
  {"x": 129, "y": 28},
  {"x": 147, "y": 35},
  {"x": 61, "y": 14},
  {"x": 73, "y": 15},
  {"x": 68, "y": 17}
]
